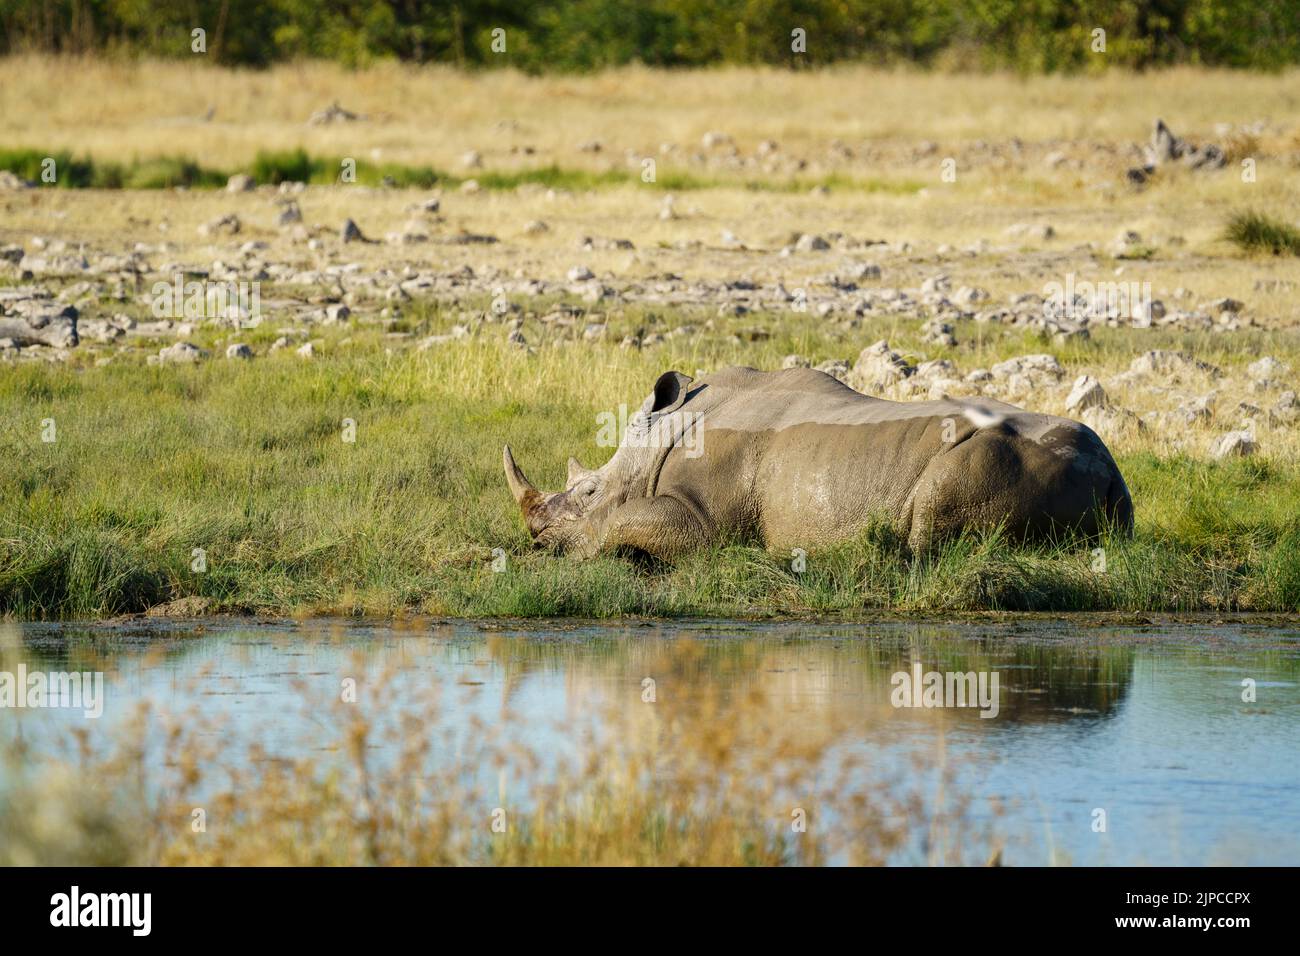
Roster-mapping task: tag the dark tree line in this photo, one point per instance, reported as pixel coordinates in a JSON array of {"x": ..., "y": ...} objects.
[{"x": 544, "y": 35}]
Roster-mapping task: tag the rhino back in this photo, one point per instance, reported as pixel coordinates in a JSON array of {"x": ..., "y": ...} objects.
[{"x": 796, "y": 458}]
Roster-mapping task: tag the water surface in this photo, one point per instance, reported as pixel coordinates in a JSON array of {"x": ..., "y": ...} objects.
[{"x": 1146, "y": 723}]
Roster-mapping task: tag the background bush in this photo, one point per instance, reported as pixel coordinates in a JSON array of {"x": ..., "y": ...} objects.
[{"x": 1030, "y": 35}]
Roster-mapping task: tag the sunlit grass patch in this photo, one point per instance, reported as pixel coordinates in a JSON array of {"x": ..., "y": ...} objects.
[{"x": 247, "y": 461}]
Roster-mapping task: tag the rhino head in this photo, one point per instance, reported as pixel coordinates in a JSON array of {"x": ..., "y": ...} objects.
[{"x": 576, "y": 521}]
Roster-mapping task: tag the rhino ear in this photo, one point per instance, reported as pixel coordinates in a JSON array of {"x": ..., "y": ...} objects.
[{"x": 668, "y": 395}]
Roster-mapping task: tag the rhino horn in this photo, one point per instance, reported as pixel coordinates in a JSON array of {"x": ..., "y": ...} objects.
[
  {"x": 520, "y": 486},
  {"x": 576, "y": 470}
]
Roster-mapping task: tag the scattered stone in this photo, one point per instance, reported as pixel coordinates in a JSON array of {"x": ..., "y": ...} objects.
[
  {"x": 227, "y": 225},
  {"x": 465, "y": 238},
  {"x": 808, "y": 242},
  {"x": 1266, "y": 369},
  {"x": 238, "y": 351},
  {"x": 180, "y": 353},
  {"x": 970, "y": 295},
  {"x": 590, "y": 244},
  {"x": 1170, "y": 363},
  {"x": 936, "y": 369},
  {"x": 1200, "y": 409},
  {"x": 1038, "y": 369},
  {"x": 1110, "y": 421},
  {"x": 10, "y": 181},
  {"x": 936, "y": 285},
  {"x": 1165, "y": 148},
  {"x": 937, "y": 332},
  {"x": 332, "y": 114},
  {"x": 1224, "y": 306},
  {"x": 41, "y": 323},
  {"x": 1128, "y": 245},
  {"x": 837, "y": 369},
  {"x": 306, "y": 350},
  {"x": 1086, "y": 393},
  {"x": 240, "y": 183},
  {"x": 289, "y": 213},
  {"x": 878, "y": 367},
  {"x": 795, "y": 361},
  {"x": 350, "y": 232},
  {"x": 1031, "y": 230},
  {"x": 1233, "y": 444}
]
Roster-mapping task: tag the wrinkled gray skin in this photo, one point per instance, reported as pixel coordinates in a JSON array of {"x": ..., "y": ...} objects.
[{"x": 795, "y": 459}]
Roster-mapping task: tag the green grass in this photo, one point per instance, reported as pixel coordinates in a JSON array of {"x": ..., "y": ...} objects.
[
  {"x": 246, "y": 461},
  {"x": 1257, "y": 232},
  {"x": 296, "y": 165},
  {"x": 72, "y": 173}
]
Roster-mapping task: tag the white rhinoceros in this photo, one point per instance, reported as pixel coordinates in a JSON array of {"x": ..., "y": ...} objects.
[{"x": 795, "y": 459}]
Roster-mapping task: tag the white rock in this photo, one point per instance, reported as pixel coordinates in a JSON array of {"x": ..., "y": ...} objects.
[
  {"x": 1111, "y": 422},
  {"x": 181, "y": 353},
  {"x": 1230, "y": 444},
  {"x": 1037, "y": 368},
  {"x": 1266, "y": 368},
  {"x": 1165, "y": 362},
  {"x": 809, "y": 242},
  {"x": 837, "y": 369},
  {"x": 238, "y": 351},
  {"x": 877, "y": 368},
  {"x": 1086, "y": 393}
]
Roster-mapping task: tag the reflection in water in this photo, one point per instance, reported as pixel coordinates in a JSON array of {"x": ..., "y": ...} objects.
[{"x": 1145, "y": 728}]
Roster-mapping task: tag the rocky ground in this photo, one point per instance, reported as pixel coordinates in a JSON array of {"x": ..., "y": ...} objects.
[{"x": 437, "y": 271}]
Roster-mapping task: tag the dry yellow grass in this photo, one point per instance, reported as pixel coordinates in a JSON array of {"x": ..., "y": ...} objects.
[
  {"x": 433, "y": 114},
  {"x": 717, "y": 776}
]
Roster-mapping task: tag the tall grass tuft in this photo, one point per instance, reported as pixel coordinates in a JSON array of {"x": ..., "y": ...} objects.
[{"x": 1257, "y": 232}]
